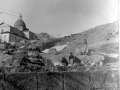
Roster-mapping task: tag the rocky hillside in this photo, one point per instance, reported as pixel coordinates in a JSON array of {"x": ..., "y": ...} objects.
[
  {"x": 45, "y": 40},
  {"x": 103, "y": 38},
  {"x": 44, "y": 37}
]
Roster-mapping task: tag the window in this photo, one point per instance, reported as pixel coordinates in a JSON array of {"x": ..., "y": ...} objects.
[{"x": 2, "y": 30}]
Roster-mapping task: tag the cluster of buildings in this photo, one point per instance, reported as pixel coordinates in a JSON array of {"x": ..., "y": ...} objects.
[{"x": 16, "y": 33}]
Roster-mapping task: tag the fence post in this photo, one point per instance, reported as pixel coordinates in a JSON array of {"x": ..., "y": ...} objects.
[
  {"x": 37, "y": 79},
  {"x": 4, "y": 78},
  {"x": 90, "y": 80},
  {"x": 63, "y": 81}
]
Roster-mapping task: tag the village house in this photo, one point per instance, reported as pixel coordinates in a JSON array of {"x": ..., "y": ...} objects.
[{"x": 17, "y": 33}]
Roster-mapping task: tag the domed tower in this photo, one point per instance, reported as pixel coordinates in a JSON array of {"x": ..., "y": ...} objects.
[{"x": 20, "y": 24}]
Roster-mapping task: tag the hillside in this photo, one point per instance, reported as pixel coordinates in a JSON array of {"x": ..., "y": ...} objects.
[
  {"x": 44, "y": 38},
  {"x": 102, "y": 38}
]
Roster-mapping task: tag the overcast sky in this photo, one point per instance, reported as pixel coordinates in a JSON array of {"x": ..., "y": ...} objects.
[{"x": 60, "y": 17}]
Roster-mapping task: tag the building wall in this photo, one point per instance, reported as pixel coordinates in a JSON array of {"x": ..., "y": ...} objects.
[
  {"x": 10, "y": 35},
  {"x": 32, "y": 36},
  {"x": 17, "y": 32},
  {"x": 4, "y": 29},
  {"x": 26, "y": 33},
  {"x": 15, "y": 38},
  {"x": 5, "y": 37}
]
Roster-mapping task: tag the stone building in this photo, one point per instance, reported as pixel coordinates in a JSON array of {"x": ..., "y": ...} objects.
[{"x": 17, "y": 33}]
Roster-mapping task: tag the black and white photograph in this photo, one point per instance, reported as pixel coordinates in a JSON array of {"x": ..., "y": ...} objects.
[{"x": 59, "y": 45}]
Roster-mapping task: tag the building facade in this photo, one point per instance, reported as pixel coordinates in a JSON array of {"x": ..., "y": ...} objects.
[{"x": 17, "y": 33}]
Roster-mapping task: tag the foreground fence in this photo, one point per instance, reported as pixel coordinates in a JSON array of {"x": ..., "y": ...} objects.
[{"x": 60, "y": 81}]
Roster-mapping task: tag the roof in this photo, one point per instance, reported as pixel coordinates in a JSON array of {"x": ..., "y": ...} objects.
[
  {"x": 20, "y": 24},
  {"x": 17, "y": 32}
]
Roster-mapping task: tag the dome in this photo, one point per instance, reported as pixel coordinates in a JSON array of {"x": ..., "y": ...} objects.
[{"x": 19, "y": 24}]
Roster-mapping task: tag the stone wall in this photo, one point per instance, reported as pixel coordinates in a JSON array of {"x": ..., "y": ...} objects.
[{"x": 99, "y": 80}]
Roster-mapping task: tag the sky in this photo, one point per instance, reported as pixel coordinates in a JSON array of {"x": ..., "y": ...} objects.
[{"x": 59, "y": 17}]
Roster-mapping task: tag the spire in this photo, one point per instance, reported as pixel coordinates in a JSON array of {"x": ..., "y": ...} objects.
[{"x": 20, "y": 17}]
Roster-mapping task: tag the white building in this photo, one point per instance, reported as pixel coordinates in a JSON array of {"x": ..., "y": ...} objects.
[{"x": 17, "y": 33}]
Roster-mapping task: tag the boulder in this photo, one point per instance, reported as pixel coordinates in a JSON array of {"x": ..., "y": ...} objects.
[
  {"x": 91, "y": 59},
  {"x": 16, "y": 62},
  {"x": 52, "y": 51},
  {"x": 5, "y": 60}
]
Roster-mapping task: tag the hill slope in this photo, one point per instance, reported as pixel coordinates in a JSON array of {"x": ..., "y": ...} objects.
[
  {"x": 103, "y": 38},
  {"x": 44, "y": 37}
]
